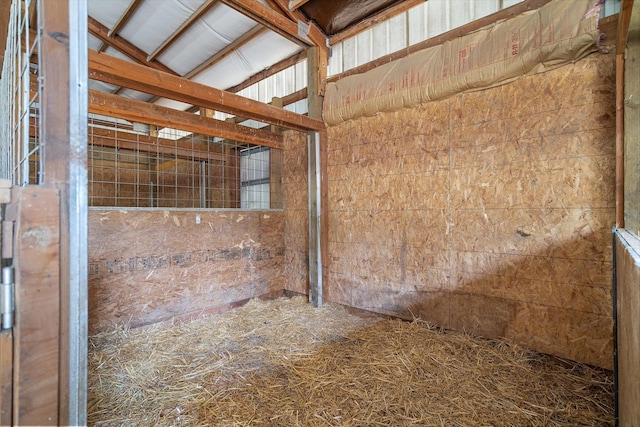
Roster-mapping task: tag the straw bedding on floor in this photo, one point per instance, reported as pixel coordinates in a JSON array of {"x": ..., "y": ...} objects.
[{"x": 285, "y": 363}]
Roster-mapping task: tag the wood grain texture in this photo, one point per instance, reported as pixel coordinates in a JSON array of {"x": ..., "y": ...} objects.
[
  {"x": 628, "y": 327},
  {"x": 149, "y": 266},
  {"x": 36, "y": 332},
  {"x": 6, "y": 377},
  {"x": 488, "y": 212}
]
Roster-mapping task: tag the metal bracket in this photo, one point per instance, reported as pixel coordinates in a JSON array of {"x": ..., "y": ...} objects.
[{"x": 7, "y": 298}]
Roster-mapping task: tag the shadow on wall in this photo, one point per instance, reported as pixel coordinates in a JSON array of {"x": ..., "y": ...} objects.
[{"x": 547, "y": 302}]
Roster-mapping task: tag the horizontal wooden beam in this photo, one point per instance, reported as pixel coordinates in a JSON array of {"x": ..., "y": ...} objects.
[
  {"x": 294, "y": 4},
  {"x": 271, "y": 19},
  {"x": 143, "y": 112},
  {"x": 116, "y": 71},
  {"x": 127, "y": 141},
  {"x": 123, "y": 46}
]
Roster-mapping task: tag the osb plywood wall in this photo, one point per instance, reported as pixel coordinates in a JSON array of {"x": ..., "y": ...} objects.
[
  {"x": 489, "y": 212},
  {"x": 296, "y": 213},
  {"x": 151, "y": 265}
]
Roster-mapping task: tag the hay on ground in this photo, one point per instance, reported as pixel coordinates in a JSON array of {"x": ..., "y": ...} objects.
[{"x": 285, "y": 363}]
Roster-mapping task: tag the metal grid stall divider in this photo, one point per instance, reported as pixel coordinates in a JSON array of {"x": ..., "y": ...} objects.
[
  {"x": 20, "y": 91},
  {"x": 135, "y": 165}
]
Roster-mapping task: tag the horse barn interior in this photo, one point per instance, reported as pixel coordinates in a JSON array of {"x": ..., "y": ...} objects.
[{"x": 307, "y": 212}]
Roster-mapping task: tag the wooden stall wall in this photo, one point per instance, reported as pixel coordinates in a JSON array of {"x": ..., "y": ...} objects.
[
  {"x": 296, "y": 212},
  {"x": 148, "y": 266},
  {"x": 488, "y": 212}
]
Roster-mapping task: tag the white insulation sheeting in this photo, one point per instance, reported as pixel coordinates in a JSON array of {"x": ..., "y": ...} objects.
[{"x": 154, "y": 21}]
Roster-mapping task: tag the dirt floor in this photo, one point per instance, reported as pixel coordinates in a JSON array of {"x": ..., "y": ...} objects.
[{"x": 285, "y": 363}]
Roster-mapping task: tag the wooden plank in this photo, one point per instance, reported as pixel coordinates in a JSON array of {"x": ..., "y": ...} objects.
[
  {"x": 314, "y": 32},
  {"x": 449, "y": 35},
  {"x": 56, "y": 154},
  {"x": 374, "y": 20},
  {"x": 6, "y": 377},
  {"x": 318, "y": 207},
  {"x": 271, "y": 19},
  {"x": 623, "y": 25},
  {"x": 608, "y": 28},
  {"x": 37, "y": 322},
  {"x": 204, "y": 8},
  {"x": 123, "y": 46},
  {"x": 294, "y": 4},
  {"x": 5, "y": 14},
  {"x": 116, "y": 71},
  {"x": 143, "y": 112},
  {"x": 620, "y": 140},
  {"x": 628, "y": 327}
]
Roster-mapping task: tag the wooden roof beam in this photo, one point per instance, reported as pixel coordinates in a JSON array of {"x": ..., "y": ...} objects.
[
  {"x": 295, "y": 4},
  {"x": 316, "y": 35},
  {"x": 123, "y": 46},
  {"x": 143, "y": 112},
  {"x": 124, "y": 18},
  {"x": 206, "y": 6},
  {"x": 271, "y": 19},
  {"x": 109, "y": 69}
]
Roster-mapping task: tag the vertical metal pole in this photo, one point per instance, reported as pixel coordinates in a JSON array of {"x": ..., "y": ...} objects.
[
  {"x": 78, "y": 212},
  {"x": 26, "y": 83},
  {"x": 315, "y": 249}
]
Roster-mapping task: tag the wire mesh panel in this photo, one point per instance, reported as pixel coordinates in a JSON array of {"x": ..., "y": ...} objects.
[
  {"x": 133, "y": 165},
  {"x": 20, "y": 92}
]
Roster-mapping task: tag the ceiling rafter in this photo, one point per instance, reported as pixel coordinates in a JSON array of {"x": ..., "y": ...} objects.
[
  {"x": 295, "y": 4},
  {"x": 316, "y": 35},
  {"x": 271, "y": 19},
  {"x": 182, "y": 29},
  {"x": 125, "y": 17},
  {"x": 109, "y": 69},
  {"x": 125, "y": 47}
]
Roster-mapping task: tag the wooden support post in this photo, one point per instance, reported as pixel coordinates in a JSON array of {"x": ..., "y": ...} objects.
[
  {"x": 63, "y": 68},
  {"x": 231, "y": 178},
  {"x": 620, "y": 140},
  {"x": 275, "y": 166},
  {"x": 318, "y": 208}
]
